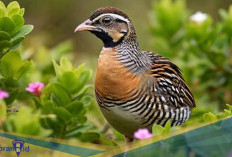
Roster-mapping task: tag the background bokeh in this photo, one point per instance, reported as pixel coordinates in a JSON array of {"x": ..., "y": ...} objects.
[
  {"x": 55, "y": 20},
  {"x": 67, "y": 108}
]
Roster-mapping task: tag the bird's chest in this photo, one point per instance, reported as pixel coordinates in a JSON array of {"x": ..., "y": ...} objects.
[
  {"x": 115, "y": 84},
  {"x": 113, "y": 79}
]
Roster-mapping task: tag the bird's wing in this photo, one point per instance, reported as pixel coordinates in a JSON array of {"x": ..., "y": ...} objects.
[{"x": 170, "y": 86}]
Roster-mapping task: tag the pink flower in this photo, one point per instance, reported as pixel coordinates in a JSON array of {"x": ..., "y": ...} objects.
[
  {"x": 3, "y": 94},
  {"x": 142, "y": 134},
  {"x": 229, "y": 154},
  {"x": 35, "y": 88}
]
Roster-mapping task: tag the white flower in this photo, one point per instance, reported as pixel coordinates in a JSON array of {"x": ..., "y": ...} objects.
[{"x": 198, "y": 17}]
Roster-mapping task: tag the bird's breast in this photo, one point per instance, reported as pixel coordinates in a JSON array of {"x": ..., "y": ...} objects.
[{"x": 113, "y": 79}]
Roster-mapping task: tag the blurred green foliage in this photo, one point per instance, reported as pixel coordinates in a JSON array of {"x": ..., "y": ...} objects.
[
  {"x": 64, "y": 102},
  {"x": 61, "y": 109},
  {"x": 202, "y": 49},
  {"x": 159, "y": 130},
  {"x": 12, "y": 28},
  {"x": 12, "y": 67},
  {"x": 26, "y": 121},
  {"x": 66, "y": 109}
]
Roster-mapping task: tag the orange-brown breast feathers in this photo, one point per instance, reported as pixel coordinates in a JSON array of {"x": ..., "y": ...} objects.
[{"x": 113, "y": 80}]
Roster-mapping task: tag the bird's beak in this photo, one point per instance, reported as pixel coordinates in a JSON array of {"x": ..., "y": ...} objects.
[{"x": 85, "y": 26}]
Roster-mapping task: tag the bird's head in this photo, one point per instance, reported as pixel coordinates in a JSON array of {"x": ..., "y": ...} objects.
[{"x": 109, "y": 24}]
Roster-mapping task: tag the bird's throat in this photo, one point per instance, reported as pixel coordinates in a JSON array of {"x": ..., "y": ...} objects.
[{"x": 107, "y": 40}]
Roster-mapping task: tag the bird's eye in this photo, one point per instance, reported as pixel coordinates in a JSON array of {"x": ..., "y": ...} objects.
[{"x": 106, "y": 20}]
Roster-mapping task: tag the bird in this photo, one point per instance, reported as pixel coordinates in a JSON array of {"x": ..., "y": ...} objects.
[{"x": 134, "y": 88}]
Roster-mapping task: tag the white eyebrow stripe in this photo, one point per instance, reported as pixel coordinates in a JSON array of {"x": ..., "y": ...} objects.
[{"x": 113, "y": 15}]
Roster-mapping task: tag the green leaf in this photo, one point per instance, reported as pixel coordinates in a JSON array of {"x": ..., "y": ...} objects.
[
  {"x": 19, "y": 22},
  {"x": 13, "y": 11},
  {"x": 74, "y": 132},
  {"x": 4, "y": 36},
  {"x": 109, "y": 142},
  {"x": 45, "y": 132},
  {"x": 223, "y": 14},
  {"x": 229, "y": 106},
  {"x": 2, "y": 9},
  {"x": 23, "y": 124},
  {"x": 69, "y": 80},
  {"x": 86, "y": 100},
  {"x": 2, "y": 12},
  {"x": 58, "y": 92},
  {"x": 65, "y": 64},
  {"x": 79, "y": 70},
  {"x": 24, "y": 69},
  {"x": 12, "y": 5},
  {"x": 16, "y": 42},
  {"x": 2, "y": 5},
  {"x": 56, "y": 68},
  {"x": 7, "y": 25},
  {"x": 53, "y": 123},
  {"x": 62, "y": 114},
  {"x": 227, "y": 112},
  {"x": 5, "y": 45},
  {"x": 22, "y": 11},
  {"x": 209, "y": 117},
  {"x": 2, "y": 112},
  {"x": 118, "y": 136},
  {"x": 83, "y": 91},
  {"x": 89, "y": 136},
  {"x": 6, "y": 126},
  {"x": 157, "y": 130},
  {"x": 10, "y": 63},
  {"x": 26, "y": 29},
  {"x": 13, "y": 94},
  {"x": 75, "y": 108},
  {"x": 82, "y": 119},
  {"x": 55, "y": 99},
  {"x": 82, "y": 80},
  {"x": 167, "y": 127},
  {"x": 47, "y": 106}
]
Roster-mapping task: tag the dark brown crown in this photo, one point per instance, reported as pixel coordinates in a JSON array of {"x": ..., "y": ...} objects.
[{"x": 107, "y": 10}]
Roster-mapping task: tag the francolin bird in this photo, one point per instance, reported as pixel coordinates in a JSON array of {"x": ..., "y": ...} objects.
[{"x": 134, "y": 88}]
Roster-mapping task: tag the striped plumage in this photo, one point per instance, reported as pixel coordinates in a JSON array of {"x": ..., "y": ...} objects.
[{"x": 135, "y": 88}]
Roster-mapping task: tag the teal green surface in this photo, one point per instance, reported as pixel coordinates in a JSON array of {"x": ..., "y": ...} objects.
[
  {"x": 212, "y": 140},
  {"x": 209, "y": 141}
]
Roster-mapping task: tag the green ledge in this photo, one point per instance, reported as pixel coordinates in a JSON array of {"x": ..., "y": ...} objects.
[{"x": 210, "y": 140}]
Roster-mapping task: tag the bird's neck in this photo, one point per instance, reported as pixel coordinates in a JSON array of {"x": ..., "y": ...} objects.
[{"x": 131, "y": 56}]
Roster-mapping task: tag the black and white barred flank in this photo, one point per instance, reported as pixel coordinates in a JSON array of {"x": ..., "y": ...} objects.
[{"x": 165, "y": 98}]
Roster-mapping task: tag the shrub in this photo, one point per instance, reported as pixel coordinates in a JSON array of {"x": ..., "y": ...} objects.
[
  {"x": 201, "y": 47},
  {"x": 58, "y": 110}
]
